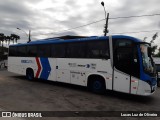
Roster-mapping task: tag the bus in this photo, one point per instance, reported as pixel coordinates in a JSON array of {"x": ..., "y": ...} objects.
[{"x": 119, "y": 63}]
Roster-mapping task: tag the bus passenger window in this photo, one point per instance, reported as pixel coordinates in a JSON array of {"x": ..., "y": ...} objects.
[
  {"x": 98, "y": 49},
  {"x": 76, "y": 50},
  {"x": 58, "y": 50},
  {"x": 12, "y": 51},
  {"x": 21, "y": 51},
  {"x": 126, "y": 57},
  {"x": 32, "y": 51},
  {"x": 122, "y": 59},
  {"x": 44, "y": 50}
]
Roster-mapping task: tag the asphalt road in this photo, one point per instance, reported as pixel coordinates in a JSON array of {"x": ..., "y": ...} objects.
[{"x": 20, "y": 94}]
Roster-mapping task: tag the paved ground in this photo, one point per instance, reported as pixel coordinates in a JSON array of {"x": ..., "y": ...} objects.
[{"x": 19, "y": 94}]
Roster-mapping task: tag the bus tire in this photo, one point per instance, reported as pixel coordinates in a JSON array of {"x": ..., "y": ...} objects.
[
  {"x": 29, "y": 74},
  {"x": 97, "y": 85}
]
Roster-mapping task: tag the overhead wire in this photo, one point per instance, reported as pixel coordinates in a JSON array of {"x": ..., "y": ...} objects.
[
  {"x": 137, "y": 31},
  {"x": 112, "y": 18}
]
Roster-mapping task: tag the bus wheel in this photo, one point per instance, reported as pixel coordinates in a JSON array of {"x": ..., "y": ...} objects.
[
  {"x": 29, "y": 74},
  {"x": 97, "y": 86}
]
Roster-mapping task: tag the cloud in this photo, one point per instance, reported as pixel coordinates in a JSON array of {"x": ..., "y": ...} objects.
[
  {"x": 14, "y": 14},
  {"x": 43, "y": 17}
]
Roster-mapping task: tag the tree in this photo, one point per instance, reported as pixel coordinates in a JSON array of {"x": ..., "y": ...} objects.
[
  {"x": 144, "y": 39},
  {"x": 154, "y": 47},
  {"x": 2, "y": 37},
  {"x": 154, "y": 37},
  {"x": 7, "y": 39},
  {"x": 14, "y": 38},
  {"x": 158, "y": 54}
]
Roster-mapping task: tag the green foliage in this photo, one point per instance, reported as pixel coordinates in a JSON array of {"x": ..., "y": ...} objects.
[
  {"x": 2, "y": 51},
  {"x": 153, "y": 47},
  {"x": 12, "y": 38},
  {"x": 158, "y": 54}
]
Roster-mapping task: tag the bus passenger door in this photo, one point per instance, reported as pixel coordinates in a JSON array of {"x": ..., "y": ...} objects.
[
  {"x": 122, "y": 70},
  {"x": 122, "y": 66}
]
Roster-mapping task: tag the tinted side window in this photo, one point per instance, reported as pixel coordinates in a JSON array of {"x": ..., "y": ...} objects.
[
  {"x": 21, "y": 51},
  {"x": 98, "y": 49},
  {"x": 117, "y": 43},
  {"x": 123, "y": 55},
  {"x": 76, "y": 50},
  {"x": 12, "y": 51},
  {"x": 32, "y": 51},
  {"x": 135, "y": 63},
  {"x": 44, "y": 50},
  {"x": 126, "y": 57},
  {"x": 122, "y": 59},
  {"x": 58, "y": 50}
]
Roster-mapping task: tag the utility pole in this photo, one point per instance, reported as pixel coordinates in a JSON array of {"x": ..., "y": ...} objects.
[
  {"x": 106, "y": 18},
  {"x": 28, "y": 35}
]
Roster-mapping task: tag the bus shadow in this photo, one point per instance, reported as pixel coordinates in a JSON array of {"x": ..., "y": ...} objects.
[
  {"x": 58, "y": 84},
  {"x": 130, "y": 97},
  {"x": 3, "y": 69},
  {"x": 108, "y": 93}
]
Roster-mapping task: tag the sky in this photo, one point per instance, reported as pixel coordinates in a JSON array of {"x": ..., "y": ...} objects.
[{"x": 52, "y": 18}]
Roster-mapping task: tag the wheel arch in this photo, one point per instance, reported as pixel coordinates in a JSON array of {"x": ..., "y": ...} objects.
[
  {"x": 30, "y": 68},
  {"x": 94, "y": 75}
]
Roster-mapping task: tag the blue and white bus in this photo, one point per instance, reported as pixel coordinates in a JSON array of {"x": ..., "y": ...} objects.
[{"x": 118, "y": 63}]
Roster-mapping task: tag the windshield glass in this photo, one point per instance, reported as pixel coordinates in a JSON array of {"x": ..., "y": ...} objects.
[{"x": 147, "y": 60}]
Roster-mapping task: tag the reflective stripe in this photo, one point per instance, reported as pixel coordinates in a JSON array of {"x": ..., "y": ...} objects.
[
  {"x": 46, "y": 68},
  {"x": 39, "y": 67}
]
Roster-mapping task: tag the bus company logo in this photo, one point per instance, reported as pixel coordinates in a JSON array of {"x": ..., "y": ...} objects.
[
  {"x": 6, "y": 114},
  {"x": 26, "y": 61},
  {"x": 93, "y": 66},
  {"x": 72, "y": 64},
  {"x": 88, "y": 66},
  {"x": 21, "y": 114}
]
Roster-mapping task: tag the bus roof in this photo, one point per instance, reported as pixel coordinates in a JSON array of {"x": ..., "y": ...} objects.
[{"x": 65, "y": 39}]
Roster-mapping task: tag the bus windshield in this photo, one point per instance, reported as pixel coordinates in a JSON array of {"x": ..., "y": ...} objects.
[{"x": 146, "y": 58}]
